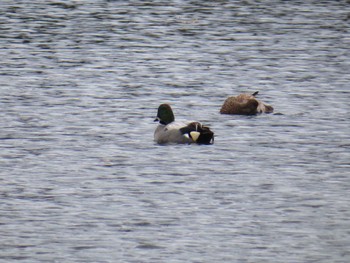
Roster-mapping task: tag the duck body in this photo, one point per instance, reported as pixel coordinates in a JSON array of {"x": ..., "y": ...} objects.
[
  {"x": 245, "y": 104},
  {"x": 171, "y": 131}
]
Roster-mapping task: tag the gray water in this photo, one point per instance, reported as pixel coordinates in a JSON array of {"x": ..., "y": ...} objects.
[{"x": 83, "y": 181}]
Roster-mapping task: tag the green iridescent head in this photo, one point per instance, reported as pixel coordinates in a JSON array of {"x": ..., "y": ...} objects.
[{"x": 165, "y": 114}]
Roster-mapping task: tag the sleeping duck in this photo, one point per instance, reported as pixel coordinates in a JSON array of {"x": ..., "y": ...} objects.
[
  {"x": 170, "y": 131},
  {"x": 245, "y": 104}
]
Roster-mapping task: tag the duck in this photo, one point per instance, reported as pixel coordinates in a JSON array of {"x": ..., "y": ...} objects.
[
  {"x": 171, "y": 131},
  {"x": 245, "y": 104}
]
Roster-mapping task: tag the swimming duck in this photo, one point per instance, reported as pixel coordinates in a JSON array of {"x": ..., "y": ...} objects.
[
  {"x": 245, "y": 104},
  {"x": 169, "y": 131}
]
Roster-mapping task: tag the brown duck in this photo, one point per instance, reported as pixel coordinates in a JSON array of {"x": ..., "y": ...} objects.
[{"x": 245, "y": 104}]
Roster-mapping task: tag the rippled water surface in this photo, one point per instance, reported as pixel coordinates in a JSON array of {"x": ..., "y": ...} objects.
[{"x": 83, "y": 181}]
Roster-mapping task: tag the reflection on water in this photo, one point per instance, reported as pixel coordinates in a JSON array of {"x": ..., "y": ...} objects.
[{"x": 82, "y": 179}]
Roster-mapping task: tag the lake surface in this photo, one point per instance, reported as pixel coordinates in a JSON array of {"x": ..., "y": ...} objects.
[{"x": 81, "y": 177}]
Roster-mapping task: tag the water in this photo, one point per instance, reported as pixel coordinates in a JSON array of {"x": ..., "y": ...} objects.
[{"x": 82, "y": 179}]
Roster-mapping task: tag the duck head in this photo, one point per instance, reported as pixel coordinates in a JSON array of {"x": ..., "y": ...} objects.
[{"x": 165, "y": 114}]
